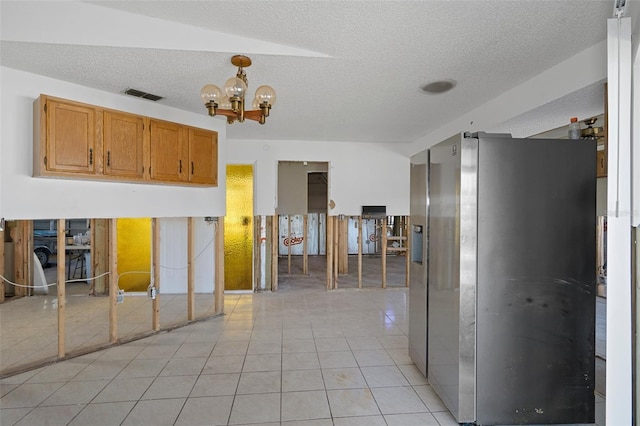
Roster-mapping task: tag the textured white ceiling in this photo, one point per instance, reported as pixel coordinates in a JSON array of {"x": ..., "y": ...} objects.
[{"x": 343, "y": 70}]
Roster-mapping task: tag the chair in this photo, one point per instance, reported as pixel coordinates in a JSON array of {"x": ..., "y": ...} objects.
[{"x": 79, "y": 264}]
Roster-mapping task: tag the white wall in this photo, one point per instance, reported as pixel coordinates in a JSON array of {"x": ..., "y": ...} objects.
[
  {"x": 25, "y": 197},
  {"x": 575, "y": 73},
  {"x": 359, "y": 173},
  {"x": 634, "y": 12}
]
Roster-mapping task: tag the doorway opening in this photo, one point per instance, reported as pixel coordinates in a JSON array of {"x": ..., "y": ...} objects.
[{"x": 301, "y": 218}]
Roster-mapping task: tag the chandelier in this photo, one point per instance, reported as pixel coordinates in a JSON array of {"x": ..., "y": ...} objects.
[{"x": 232, "y": 103}]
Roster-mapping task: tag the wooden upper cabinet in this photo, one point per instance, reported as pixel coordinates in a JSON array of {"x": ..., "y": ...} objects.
[
  {"x": 123, "y": 145},
  {"x": 80, "y": 141},
  {"x": 168, "y": 159},
  {"x": 71, "y": 138},
  {"x": 203, "y": 156}
]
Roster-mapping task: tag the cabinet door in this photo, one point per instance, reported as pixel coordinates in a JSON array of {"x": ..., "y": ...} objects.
[
  {"x": 71, "y": 137},
  {"x": 168, "y": 162},
  {"x": 123, "y": 145},
  {"x": 203, "y": 156}
]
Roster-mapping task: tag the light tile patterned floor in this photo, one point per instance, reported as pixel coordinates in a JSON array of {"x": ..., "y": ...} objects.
[
  {"x": 303, "y": 357},
  {"x": 290, "y": 358}
]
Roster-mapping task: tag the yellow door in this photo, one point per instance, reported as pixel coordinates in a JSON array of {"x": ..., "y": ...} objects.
[
  {"x": 134, "y": 254},
  {"x": 238, "y": 229}
]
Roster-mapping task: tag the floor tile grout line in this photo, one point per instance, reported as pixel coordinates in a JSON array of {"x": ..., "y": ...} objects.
[{"x": 235, "y": 394}]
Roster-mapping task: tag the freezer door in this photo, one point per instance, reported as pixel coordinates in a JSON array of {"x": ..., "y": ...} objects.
[{"x": 536, "y": 281}]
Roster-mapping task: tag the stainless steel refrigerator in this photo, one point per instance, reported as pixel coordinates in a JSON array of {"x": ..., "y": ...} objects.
[{"x": 509, "y": 268}]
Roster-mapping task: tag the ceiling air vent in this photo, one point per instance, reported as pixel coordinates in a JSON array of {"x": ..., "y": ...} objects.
[{"x": 141, "y": 94}]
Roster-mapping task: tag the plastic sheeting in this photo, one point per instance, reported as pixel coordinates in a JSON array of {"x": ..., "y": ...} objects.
[{"x": 316, "y": 234}]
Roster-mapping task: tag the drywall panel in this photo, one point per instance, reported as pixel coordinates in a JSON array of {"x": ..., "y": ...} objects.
[
  {"x": 203, "y": 254},
  {"x": 25, "y": 197},
  {"x": 173, "y": 255},
  {"x": 359, "y": 173}
]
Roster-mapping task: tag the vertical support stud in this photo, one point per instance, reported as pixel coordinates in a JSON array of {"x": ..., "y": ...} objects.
[
  {"x": 383, "y": 238},
  {"x": 305, "y": 249},
  {"x": 407, "y": 247},
  {"x": 113, "y": 280},
  {"x": 359, "y": 251},
  {"x": 219, "y": 261},
  {"x": 191, "y": 297},
  {"x": 274, "y": 252},
  {"x": 329, "y": 252},
  {"x": 155, "y": 247},
  {"x": 61, "y": 286},
  {"x": 336, "y": 251},
  {"x": 288, "y": 244}
]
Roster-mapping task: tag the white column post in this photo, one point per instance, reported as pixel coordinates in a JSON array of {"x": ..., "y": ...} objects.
[{"x": 619, "y": 322}]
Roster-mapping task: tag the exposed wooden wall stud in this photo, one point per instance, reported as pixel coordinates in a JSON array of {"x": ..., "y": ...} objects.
[
  {"x": 288, "y": 244},
  {"x": 275, "y": 240},
  {"x": 305, "y": 245},
  {"x": 219, "y": 261},
  {"x": 61, "y": 286},
  {"x": 336, "y": 251},
  {"x": 343, "y": 246},
  {"x": 359, "y": 251},
  {"x": 113, "y": 281},
  {"x": 191, "y": 297},
  {"x": 329, "y": 252},
  {"x": 383, "y": 239},
  {"x": 407, "y": 251},
  {"x": 155, "y": 247}
]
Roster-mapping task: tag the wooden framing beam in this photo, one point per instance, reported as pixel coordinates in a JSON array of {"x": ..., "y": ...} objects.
[
  {"x": 343, "y": 246},
  {"x": 28, "y": 255},
  {"x": 155, "y": 247},
  {"x": 113, "y": 280},
  {"x": 359, "y": 251},
  {"x": 20, "y": 274},
  {"x": 329, "y": 252},
  {"x": 191, "y": 270},
  {"x": 305, "y": 245},
  {"x": 61, "y": 259},
  {"x": 336, "y": 250},
  {"x": 99, "y": 255},
  {"x": 268, "y": 258},
  {"x": 289, "y": 244},
  {"x": 257, "y": 252},
  {"x": 383, "y": 241},
  {"x": 274, "y": 252},
  {"x": 407, "y": 241},
  {"x": 218, "y": 300}
]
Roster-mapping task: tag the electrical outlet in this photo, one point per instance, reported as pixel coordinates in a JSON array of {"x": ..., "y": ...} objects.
[{"x": 120, "y": 297}]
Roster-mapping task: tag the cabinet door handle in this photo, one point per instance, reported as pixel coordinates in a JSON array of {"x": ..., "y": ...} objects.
[
  {"x": 192, "y": 168},
  {"x": 180, "y": 169},
  {"x": 90, "y": 155},
  {"x": 108, "y": 158}
]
